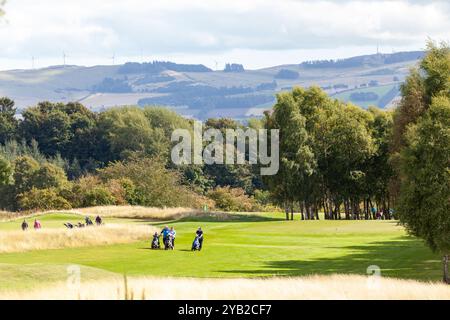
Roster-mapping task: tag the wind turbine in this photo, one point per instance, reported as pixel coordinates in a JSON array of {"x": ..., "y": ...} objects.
[
  {"x": 32, "y": 62},
  {"x": 64, "y": 58},
  {"x": 113, "y": 58}
]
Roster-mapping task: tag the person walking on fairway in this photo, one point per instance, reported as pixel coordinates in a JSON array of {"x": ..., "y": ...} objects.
[
  {"x": 24, "y": 225},
  {"x": 200, "y": 237},
  {"x": 173, "y": 233},
  {"x": 37, "y": 225},
  {"x": 165, "y": 233}
]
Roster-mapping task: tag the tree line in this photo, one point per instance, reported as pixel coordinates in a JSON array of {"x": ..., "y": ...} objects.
[
  {"x": 57, "y": 156},
  {"x": 333, "y": 157}
]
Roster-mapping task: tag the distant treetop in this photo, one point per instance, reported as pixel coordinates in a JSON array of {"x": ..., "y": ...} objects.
[
  {"x": 234, "y": 67},
  {"x": 371, "y": 60},
  {"x": 159, "y": 66},
  {"x": 287, "y": 74}
]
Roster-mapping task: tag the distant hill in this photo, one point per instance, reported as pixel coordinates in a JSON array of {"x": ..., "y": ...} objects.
[
  {"x": 197, "y": 91},
  {"x": 367, "y": 60}
]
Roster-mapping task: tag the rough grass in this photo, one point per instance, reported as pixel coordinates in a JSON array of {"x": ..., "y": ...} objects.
[
  {"x": 137, "y": 212},
  {"x": 126, "y": 212},
  {"x": 20, "y": 241},
  {"x": 8, "y": 216},
  {"x": 340, "y": 287},
  {"x": 131, "y": 212}
]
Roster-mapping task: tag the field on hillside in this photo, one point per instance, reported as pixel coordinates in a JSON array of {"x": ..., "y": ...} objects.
[
  {"x": 385, "y": 95},
  {"x": 236, "y": 246}
]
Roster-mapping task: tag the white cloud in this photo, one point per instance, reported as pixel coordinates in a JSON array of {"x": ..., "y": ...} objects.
[{"x": 90, "y": 30}]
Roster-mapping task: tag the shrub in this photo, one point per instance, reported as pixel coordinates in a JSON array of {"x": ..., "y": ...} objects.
[
  {"x": 262, "y": 197},
  {"x": 152, "y": 185},
  {"x": 123, "y": 191},
  {"x": 232, "y": 199},
  {"x": 42, "y": 199},
  {"x": 98, "y": 196},
  {"x": 89, "y": 191},
  {"x": 199, "y": 202}
]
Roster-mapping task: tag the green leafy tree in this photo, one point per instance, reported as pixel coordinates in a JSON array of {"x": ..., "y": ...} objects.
[
  {"x": 128, "y": 130},
  {"x": 25, "y": 169},
  {"x": 436, "y": 66},
  {"x": 5, "y": 171},
  {"x": 430, "y": 80},
  {"x": 379, "y": 170},
  {"x": 296, "y": 158},
  {"x": 69, "y": 130},
  {"x": 49, "y": 176},
  {"x": 345, "y": 145},
  {"x": 424, "y": 202},
  {"x": 8, "y": 121}
]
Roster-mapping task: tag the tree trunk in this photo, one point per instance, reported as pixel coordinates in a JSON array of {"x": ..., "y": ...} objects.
[
  {"x": 446, "y": 275},
  {"x": 302, "y": 211},
  {"x": 325, "y": 209},
  {"x": 339, "y": 211},
  {"x": 346, "y": 210},
  {"x": 292, "y": 212},
  {"x": 286, "y": 209}
]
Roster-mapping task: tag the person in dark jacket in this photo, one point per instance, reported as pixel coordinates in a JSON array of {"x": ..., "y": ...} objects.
[
  {"x": 200, "y": 237},
  {"x": 24, "y": 225}
]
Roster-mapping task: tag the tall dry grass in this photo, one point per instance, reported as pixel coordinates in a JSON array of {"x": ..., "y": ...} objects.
[
  {"x": 7, "y": 216},
  {"x": 340, "y": 287},
  {"x": 138, "y": 212},
  {"x": 132, "y": 212},
  {"x": 19, "y": 241}
]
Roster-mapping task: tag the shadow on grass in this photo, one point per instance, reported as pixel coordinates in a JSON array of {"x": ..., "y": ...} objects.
[
  {"x": 217, "y": 217},
  {"x": 407, "y": 258}
]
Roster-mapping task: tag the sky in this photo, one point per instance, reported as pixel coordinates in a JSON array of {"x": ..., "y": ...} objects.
[{"x": 256, "y": 33}]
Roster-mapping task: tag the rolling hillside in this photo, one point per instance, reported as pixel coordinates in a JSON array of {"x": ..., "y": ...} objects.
[{"x": 199, "y": 92}]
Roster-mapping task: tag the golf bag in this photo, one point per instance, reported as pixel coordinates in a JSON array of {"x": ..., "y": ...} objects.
[
  {"x": 196, "y": 244},
  {"x": 88, "y": 222},
  {"x": 155, "y": 243},
  {"x": 168, "y": 243}
]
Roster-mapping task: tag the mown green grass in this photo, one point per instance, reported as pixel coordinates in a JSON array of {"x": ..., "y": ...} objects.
[{"x": 240, "y": 246}]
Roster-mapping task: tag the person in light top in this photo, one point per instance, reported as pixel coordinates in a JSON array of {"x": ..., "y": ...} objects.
[{"x": 173, "y": 233}]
